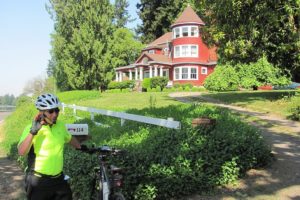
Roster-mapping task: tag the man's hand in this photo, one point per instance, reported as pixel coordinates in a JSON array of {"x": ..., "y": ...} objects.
[{"x": 36, "y": 124}]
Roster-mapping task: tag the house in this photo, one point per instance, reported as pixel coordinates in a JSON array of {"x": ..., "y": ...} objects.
[{"x": 180, "y": 55}]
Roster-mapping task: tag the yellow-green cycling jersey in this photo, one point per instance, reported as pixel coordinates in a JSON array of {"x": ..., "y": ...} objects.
[{"x": 46, "y": 153}]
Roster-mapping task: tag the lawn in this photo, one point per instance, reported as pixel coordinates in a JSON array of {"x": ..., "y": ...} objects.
[{"x": 274, "y": 102}]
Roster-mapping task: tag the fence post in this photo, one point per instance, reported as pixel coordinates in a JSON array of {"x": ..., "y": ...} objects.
[
  {"x": 63, "y": 107},
  {"x": 74, "y": 109},
  {"x": 92, "y": 116},
  {"x": 122, "y": 121}
]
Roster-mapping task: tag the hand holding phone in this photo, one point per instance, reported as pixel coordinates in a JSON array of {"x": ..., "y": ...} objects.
[{"x": 36, "y": 125}]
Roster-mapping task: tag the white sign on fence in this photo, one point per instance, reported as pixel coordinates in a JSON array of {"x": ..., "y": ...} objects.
[{"x": 78, "y": 129}]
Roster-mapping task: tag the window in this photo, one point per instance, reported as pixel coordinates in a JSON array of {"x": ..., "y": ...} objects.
[
  {"x": 186, "y": 31},
  {"x": 177, "y": 72},
  {"x": 186, "y": 73},
  {"x": 176, "y": 32},
  {"x": 151, "y": 51},
  {"x": 186, "y": 51},
  {"x": 177, "y": 51},
  {"x": 203, "y": 70},
  {"x": 194, "y": 51},
  {"x": 194, "y": 31},
  {"x": 193, "y": 73}
]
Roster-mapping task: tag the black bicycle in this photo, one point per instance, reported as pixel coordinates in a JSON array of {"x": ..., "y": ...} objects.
[{"x": 109, "y": 177}]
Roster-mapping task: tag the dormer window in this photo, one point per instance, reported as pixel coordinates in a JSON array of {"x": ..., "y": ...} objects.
[
  {"x": 151, "y": 51},
  {"x": 185, "y": 31}
]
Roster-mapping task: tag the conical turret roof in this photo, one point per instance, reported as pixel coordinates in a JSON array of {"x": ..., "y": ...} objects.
[{"x": 188, "y": 16}]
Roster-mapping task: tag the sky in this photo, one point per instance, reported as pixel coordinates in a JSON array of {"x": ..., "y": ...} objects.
[{"x": 25, "y": 28}]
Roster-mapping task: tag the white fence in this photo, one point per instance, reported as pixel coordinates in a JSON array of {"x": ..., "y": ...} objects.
[
  {"x": 7, "y": 108},
  {"x": 169, "y": 123}
]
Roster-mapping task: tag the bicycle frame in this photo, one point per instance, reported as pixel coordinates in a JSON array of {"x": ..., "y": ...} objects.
[{"x": 108, "y": 178}]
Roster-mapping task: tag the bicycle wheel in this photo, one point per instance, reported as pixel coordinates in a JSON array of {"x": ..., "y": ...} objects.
[
  {"x": 117, "y": 196},
  {"x": 98, "y": 191}
]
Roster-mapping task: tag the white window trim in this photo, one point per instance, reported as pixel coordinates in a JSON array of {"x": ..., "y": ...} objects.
[
  {"x": 181, "y": 32},
  {"x": 204, "y": 68},
  {"x": 189, "y": 51},
  {"x": 189, "y": 73},
  {"x": 151, "y": 51}
]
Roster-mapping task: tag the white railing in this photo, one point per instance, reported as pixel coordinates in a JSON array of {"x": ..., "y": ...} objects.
[
  {"x": 7, "y": 108},
  {"x": 169, "y": 123}
]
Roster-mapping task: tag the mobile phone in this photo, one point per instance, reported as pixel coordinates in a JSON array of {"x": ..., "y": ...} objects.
[{"x": 46, "y": 119}]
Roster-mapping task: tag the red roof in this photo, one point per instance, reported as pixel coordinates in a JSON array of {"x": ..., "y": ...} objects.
[
  {"x": 188, "y": 16},
  {"x": 159, "y": 58},
  {"x": 167, "y": 37}
]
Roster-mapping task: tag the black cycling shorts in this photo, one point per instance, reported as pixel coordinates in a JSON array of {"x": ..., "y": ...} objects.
[{"x": 39, "y": 187}]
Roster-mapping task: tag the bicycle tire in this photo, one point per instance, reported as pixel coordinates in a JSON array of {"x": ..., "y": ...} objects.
[
  {"x": 117, "y": 196},
  {"x": 98, "y": 191}
]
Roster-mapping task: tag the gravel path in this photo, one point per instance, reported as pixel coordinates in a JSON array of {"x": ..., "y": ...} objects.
[
  {"x": 280, "y": 181},
  {"x": 11, "y": 176}
]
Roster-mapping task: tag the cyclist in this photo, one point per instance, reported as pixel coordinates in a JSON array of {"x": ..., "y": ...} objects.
[{"x": 43, "y": 143}]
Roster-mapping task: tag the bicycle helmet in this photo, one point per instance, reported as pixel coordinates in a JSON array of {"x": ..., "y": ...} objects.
[{"x": 47, "y": 102}]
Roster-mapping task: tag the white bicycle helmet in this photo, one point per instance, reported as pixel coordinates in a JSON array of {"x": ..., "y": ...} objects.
[{"x": 47, "y": 102}]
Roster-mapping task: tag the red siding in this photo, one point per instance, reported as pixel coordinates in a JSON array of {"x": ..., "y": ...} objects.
[{"x": 203, "y": 51}]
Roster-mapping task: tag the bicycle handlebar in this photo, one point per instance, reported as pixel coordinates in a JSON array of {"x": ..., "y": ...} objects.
[{"x": 105, "y": 149}]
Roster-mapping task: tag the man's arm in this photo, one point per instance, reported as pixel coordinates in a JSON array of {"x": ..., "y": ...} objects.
[{"x": 25, "y": 145}]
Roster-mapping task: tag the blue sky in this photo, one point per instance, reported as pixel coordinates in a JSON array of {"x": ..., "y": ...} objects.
[{"x": 25, "y": 42}]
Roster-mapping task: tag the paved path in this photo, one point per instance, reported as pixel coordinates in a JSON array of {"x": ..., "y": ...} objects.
[
  {"x": 280, "y": 181},
  {"x": 11, "y": 176}
]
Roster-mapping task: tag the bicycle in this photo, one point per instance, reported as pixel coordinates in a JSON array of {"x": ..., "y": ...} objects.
[{"x": 109, "y": 178}]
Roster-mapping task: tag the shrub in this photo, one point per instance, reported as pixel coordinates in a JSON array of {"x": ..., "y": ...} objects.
[
  {"x": 146, "y": 83},
  {"x": 159, "y": 81},
  {"x": 224, "y": 78}
]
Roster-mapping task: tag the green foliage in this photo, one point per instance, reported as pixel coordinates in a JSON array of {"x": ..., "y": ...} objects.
[
  {"x": 159, "y": 81},
  {"x": 8, "y": 100},
  {"x": 146, "y": 83},
  {"x": 224, "y": 78},
  {"x": 121, "y": 13},
  {"x": 121, "y": 85},
  {"x": 247, "y": 76},
  {"x": 123, "y": 48},
  {"x": 161, "y": 163},
  {"x": 83, "y": 30}
]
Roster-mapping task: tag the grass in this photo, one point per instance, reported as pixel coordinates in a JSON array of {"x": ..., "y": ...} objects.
[
  {"x": 127, "y": 101},
  {"x": 274, "y": 102}
]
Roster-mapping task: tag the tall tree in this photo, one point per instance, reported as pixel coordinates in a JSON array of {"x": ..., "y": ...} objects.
[
  {"x": 80, "y": 43},
  {"x": 245, "y": 30},
  {"x": 122, "y": 17},
  {"x": 124, "y": 49},
  {"x": 157, "y": 17}
]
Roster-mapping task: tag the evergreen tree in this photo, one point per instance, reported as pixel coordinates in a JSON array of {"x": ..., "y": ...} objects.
[
  {"x": 122, "y": 17},
  {"x": 80, "y": 43}
]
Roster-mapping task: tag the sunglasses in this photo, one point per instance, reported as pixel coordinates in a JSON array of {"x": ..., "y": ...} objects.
[{"x": 53, "y": 110}]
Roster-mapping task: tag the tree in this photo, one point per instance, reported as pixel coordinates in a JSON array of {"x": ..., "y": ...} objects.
[
  {"x": 80, "y": 43},
  {"x": 124, "y": 49},
  {"x": 121, "y": 13},
  {"x": 245, "y": 30},
  {"x": 157, "y": 17}
]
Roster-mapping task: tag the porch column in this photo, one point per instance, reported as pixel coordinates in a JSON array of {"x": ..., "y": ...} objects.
[
  {"x": 155, "y": 70},
  {"x": 130, "y": 74},
  {"x": 141, "y": 73},
  {"x": 120, "y": 76},
  {"x": 136, "y": 74},
  {"x": 117, "y": 76},
  {"x": 150, "y": 72},
  {"x": 161, "y": 71}
]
